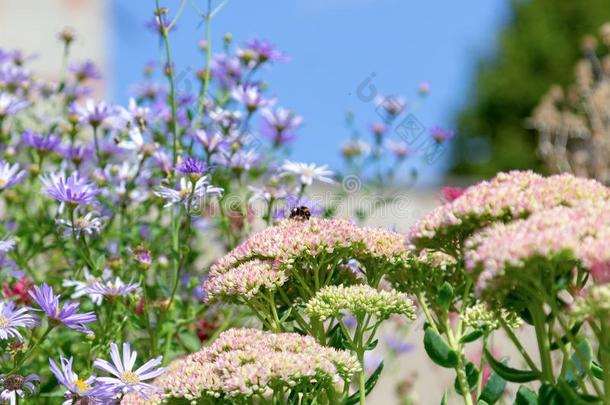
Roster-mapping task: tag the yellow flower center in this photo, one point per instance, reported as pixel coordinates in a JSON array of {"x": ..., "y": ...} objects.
[
  {"x": 3, "y": 182},
  {"x": 3, "y": 322},
  {"x": 81, "y": 386},
  {"x": 129, "y": 377}
]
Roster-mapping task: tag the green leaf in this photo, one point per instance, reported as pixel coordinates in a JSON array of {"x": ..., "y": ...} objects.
[
  {"x": 584, "y": 348},
  {"x": 597, "y": 371},
  {"x": 526, "y": 396},
  {"x": 493, "y": 390},
  {"x": 508, "y": 373},
  {"x": 445, "y": 295},
  {"x": 549, "y": 395},
  {"x": 472, "y": 377},
  {"x": 190, "y": 341},
  {"x": 444, "y": 399},
  {"x": 337, "y": 339},
  {"x": 372, "y": 345},
  {"x": 481, "y": 402},
  {"x": 438, "y": 350},
  {"x": 572, "y": 397},
  {"x": 472, "y": 336},
  {"x": 368, "y": 386}
]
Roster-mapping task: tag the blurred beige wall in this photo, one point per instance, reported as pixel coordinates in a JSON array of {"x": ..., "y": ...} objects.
[{"x": 32, "y": 25}]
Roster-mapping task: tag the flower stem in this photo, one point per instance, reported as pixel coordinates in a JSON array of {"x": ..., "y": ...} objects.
[{"x": 543, "y": 342}]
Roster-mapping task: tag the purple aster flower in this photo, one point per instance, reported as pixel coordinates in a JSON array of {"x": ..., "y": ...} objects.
[
  {"x": 89, "y": 224},
  {"x": 68, "y": 314},
  {"x": 157, "y": 23},
  {"x": 76, "y": 153},
  {"x": 125, "y": 378},
  {"x": 112, "y": 288},
  {"x": 78, "y": 388},
  {"x": 211, "y": 143},
  {"x": 398, "y": 149},
  {"x": 378, "y": 129},
  {"x": 279, "y": 125},
  {"x": 74, "y": 190},
  {"x": 239, "y": 161},
  {"x": 14, "y": 77},
  {"x": 188, "y": 193},
  {"x": 259, "y": 51},
  {"x": 440, "y": 135},
  {"x": 42, "y": 143},
  {"x": 251, "y": 97},
  {"x": 93, "y": 113},
  {"x": 192, "y": 167},
  {"x": 149, "y": 91},
  {"x": 10, "y": 105},
  {"x": 85, "y": 71},
  {"x": 392, "y": 106},
  {"x": 227, "y": 69},
  {"x": 10, "y": 174},
  {"x": 398, "y": 346},
  {"x": 17, "y": 385},
  {"x": 11, "y": 319}
]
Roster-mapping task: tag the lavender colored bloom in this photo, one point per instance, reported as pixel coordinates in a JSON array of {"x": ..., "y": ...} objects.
[
  {"x": 210, "y": 142},
  {"x": 398, "y": 149},
  {"x": 14, "y": 77},
  {"x": 259, "y": 51},
  {"x": 10, "y": 105},
  {"x": 76, "y": 153},
  {"x": 17, "y": 385},
  {"x": 93, "y": 113},
  {"x": 42, "y": 143},
  {"x": 192, "y": 166},
  {"x": 11, "y": 319},
  {"x": 112, "y": 288},
  {"x": 440, "y": 135},
  {"x": 227, "y": 70},
  {"x": 399, "y": 346},
  {"x": 6, "y": 245},
  {"x": 238, "y": 161},
  {"x": 10, "y": 174},
  {"x": 158, "y": 24},
  {"x": 391, "y": 105},
  {"x": 68, "y": 314},
  {"x": 188, "y": 193},
  {"x": 251, "y": 97},
  {"x": 125, "y": 378},
  {"x": 74, "y": 190},
  {"x": 78, "y": 388},
  {"x": 80, "y": 287},
  {"x": 280, "y": 125},
  {"x": 378, "y": 129},
  {"x": 85, "y": 70}
]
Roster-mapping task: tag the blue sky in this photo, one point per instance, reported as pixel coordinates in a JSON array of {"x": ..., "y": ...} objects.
[{"x": 333, "y": 45}]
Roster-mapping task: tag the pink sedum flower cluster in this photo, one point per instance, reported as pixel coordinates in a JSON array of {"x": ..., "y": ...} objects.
[
  {"x": 507, "y": 196},
  {"x": 243, "y": 363},
  {"x": 582, "y": 231},
  {"x": 266, "y": 258}
]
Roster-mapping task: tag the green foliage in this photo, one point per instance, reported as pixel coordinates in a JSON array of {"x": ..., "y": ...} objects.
[
  {"x": 493, "y": 390},
  {"x": 538, "y": 48},
  {"x": 438, "y": 350},
  {"x": 509, "y": 373}
]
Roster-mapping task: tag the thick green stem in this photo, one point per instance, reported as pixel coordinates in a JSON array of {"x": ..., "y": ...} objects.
[{"x": 543, "y": 343}]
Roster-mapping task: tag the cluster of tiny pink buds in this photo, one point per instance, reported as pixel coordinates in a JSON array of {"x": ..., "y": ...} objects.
[
  {"x": 291, "y": 239},
  {"x": 359, "y": 300},
  {"x": 243, "y": 282},
  {"x": 508, "y": 196},
  {"x": 578, "y": 231},
  {"x": 245, "y": 363},
  {"x": 266, "y": 259}
]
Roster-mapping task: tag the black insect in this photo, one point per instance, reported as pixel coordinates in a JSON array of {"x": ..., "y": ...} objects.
[{"x": 300, "y": 213}]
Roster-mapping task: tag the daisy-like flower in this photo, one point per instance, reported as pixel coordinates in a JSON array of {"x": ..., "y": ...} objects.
[
  {"x": 192, "y": 167},
  {"x": 251, "y": 97},
  {"x": 81, "y": 287},
  {"x": 80, "y": 388},
  {"x": 74, "y": 190},
  {"x": 187, "y": 192},
  {"x": 89, "y": 224},
  {"x": 17, "y": 385},
  {"x": 93, "y": 113},
  {"x": 112, "y": 288},
  {"x": 211, "y": 142},
  {"x": 10, "y": 174},
  {"x": 84, "y": 71},
  {"x": 307, "y": 173},
  {"x": 11, "y": 319},
  {"x": 66, "y": 314},
  {"x": 125, "y": 378},
  {"x": 280, "y": 125},
  {"x": 6, "y": 245},
  {"x": 10, "y": 105},
  {"x": 42, "y": 143}
]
